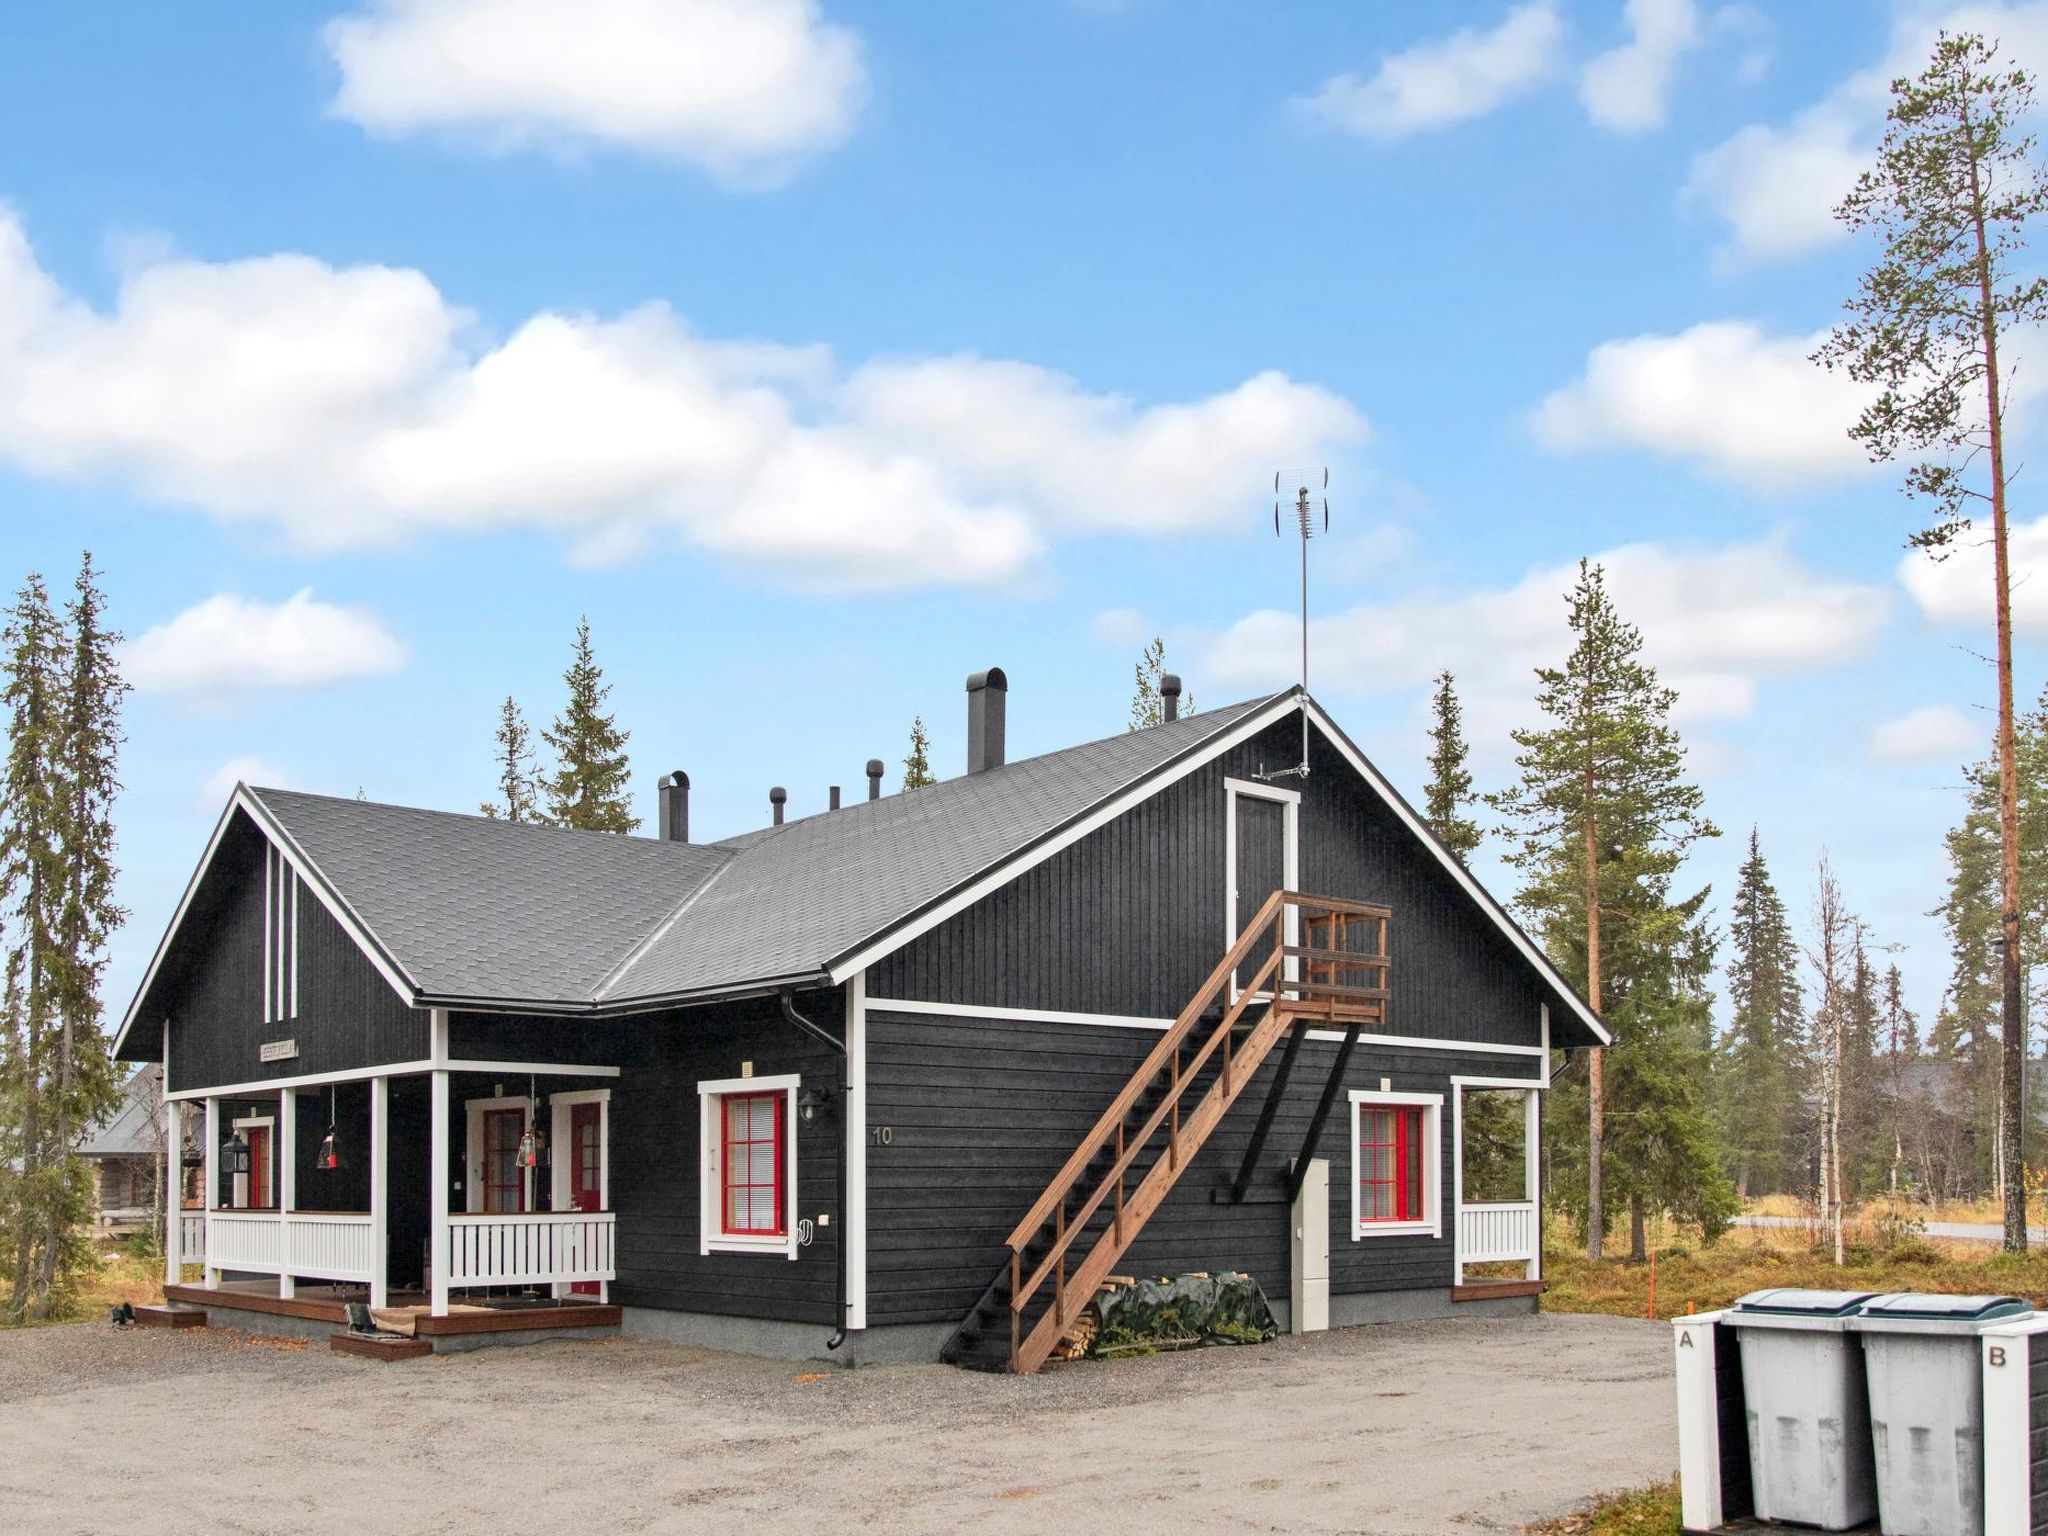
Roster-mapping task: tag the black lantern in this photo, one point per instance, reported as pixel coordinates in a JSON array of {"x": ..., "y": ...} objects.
[
  {"x": 234, "y": 1154},
  {"x": 328, "y": 1158},
  {"x": 190, "y": 1155},
  {"x": 533, "y": 1146}
]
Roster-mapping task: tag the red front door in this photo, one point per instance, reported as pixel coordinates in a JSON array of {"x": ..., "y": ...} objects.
[
  {"x": 586, "y": 1169},
  {"x": 259, "y": 1167},
  {"x": 504, "y": 1181}
]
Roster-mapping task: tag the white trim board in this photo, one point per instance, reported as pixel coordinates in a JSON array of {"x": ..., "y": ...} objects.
[
  {"x": 711, "y": 1171},
  {"x": 1289, "y": 801},
  {"x": 475, "y": 1178},
  {"x": 1133, "y": 1021},
  {"x": 398, "y": 1069},
  {"x": 854, "y": 1219},
  {"x": 1432, "y": 1107}
]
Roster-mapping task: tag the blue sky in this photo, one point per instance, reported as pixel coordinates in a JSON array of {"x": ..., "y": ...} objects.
[{"x": 822, "y": 354}]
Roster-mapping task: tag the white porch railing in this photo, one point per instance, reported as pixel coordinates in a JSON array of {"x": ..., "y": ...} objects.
[
  {"x": 192, "y": 1236},
  {"x": 320, "y": 1245},
  {"x": 548, "y": 1247},
  {"x": 1496, "y": 1233}
]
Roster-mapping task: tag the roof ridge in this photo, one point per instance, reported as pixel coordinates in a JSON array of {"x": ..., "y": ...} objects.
[{"x": 653, "y": 935}]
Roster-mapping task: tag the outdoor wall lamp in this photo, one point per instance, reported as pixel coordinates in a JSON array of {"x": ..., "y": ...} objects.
[
  {"x": 809, "y": 1104},
  {"x": 234, "y": 1154}
]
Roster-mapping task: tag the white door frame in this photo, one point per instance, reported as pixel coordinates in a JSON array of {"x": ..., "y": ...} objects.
[
  {"x": 562, "y": 1163},
  {"x": 242, "y": 1202},
  {"x": 1289, "y": 801},
  {"x": 473, "y": 1179}
]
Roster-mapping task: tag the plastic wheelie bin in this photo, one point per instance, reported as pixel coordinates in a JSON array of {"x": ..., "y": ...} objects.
[
  {"x": 1809, "y": 1415},
  {"x": 1925, "y": 1368}
]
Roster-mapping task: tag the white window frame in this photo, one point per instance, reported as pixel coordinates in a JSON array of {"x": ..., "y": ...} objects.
[
  {"x": 1289, "y": 801},
  {"x": 560, "y": 1196},
  {"x": 712, "y": 1236},
  {"x": 473, "y": 1150},
  {"x": 1432, "y": 1107}
]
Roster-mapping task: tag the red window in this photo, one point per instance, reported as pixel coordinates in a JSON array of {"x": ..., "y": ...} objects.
[
  {"x": 1390, "y": 1146},
  {"x": 752, "y": 1164}
]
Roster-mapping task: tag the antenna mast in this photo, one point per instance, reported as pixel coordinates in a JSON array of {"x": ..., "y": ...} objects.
[{"x": 1304, "y": 516}]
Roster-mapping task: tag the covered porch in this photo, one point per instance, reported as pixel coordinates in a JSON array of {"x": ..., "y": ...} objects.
[
  {"x": 462, "y": 1192},
  {"x": 1497, "y": 1136}
]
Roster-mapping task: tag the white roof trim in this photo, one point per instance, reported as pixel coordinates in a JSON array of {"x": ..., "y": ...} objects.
[
  {"x": 1333, "y": 734},
  {"x": 244, "y": 799}
]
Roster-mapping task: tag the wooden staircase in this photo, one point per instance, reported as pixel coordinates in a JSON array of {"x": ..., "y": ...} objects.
[{"x": 1269, "y": 983}]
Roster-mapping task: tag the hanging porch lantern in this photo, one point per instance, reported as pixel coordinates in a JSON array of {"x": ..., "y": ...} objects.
[
  {"x": 234, "y": 1154},
  {"x": 533, "y": 1145},
  {"x": 328, "y": 1158}
]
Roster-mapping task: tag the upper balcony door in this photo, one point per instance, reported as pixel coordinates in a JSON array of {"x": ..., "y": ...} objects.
[{"x": 1262, "y": 854}]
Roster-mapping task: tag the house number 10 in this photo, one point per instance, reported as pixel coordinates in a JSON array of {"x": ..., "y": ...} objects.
[{"x": 883, "y": 1134}]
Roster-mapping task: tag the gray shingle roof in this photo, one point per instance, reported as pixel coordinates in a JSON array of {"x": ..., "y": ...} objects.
[
  {"x": 480, "y": 910},
  {"x": 468, "y": 907},
  {"x": 128, "y": 1132}
]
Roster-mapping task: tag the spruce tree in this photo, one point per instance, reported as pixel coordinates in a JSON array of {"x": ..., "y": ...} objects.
[
  {"x": 587, "y": 790},
  {"x": 917, "y": 764},
  {"x": 1952, "y": 195},
  {"x": 1147, "y": 708},
  {"x": 34, "y": 873},
  {"x": 1449, "y": 791},
  {"x": 1601, "y": 820},
  {"x": 518, "y": 785},
  {"x": 1901, "y": 1033},
  {"x": 1758, "y": 1078}
]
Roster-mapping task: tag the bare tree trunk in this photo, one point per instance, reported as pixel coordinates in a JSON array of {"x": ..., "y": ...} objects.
[
  {"x": 1596, "y": 1061},
  {"x": 1638, "y": 1235}
]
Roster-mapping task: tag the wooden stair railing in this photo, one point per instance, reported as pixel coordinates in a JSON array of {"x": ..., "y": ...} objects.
[{"x": 1092, "y": 1203}]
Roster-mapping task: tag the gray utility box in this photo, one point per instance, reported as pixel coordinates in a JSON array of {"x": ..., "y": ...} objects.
[
  {"x": 1809, "y": 1416},
  {"x": 1924, "y": 1358}
]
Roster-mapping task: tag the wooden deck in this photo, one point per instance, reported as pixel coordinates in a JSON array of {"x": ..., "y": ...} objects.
[{"x": 329, "y": 1304}]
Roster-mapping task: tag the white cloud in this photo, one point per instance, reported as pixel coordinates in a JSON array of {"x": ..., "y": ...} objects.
[
  {"x": 1746, "y": 405},
  {"x": 1445, "y": 81},
  {"x": 1956, "y": 591},
  {"x": 231, "y": 645},
  {"x": 1776, "y": 187},
  {"x": 1626, "y": 88},
  {"x": 1937, "y": 731},
  {"x": 744, "y": 88},
  {"x": 1121, "y": 627},
  {"x": 354, "y": 407},
  {"x": 1715, "y": 621},
  {"x": 213, "y": 794}
]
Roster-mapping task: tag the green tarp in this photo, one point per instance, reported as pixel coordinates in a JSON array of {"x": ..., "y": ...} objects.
[{"x": 1181, "y": 1312}]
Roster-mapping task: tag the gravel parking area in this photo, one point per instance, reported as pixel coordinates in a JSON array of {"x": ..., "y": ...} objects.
[{"x": 1422, "y": 1428}]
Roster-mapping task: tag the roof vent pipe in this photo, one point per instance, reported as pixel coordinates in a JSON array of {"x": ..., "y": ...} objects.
[
  {"x": 987, "y": 694},
  {"x": 832, "y": 798},
  {"x": 674, "y": 819},
  {"x": 874, "y": 778},
  {"x": 1169, "y": 697},
  {"x": 778, "y": 797}
]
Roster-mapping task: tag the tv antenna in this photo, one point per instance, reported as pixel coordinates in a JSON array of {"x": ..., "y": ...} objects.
[{"x": 1304, "y": 519}]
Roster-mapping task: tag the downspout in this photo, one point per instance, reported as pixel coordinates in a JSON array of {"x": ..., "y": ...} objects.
[{"x": 788, "y": 999}]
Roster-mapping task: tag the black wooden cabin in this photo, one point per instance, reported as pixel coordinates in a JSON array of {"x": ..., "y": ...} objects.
[{"x": 904, "y": 1077}]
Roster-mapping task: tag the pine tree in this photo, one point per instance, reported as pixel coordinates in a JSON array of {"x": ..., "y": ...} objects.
[
  {"x": 1758, "y": 1060},
  {"x": 1601, "y": 819},
  {"x": 917, "y": 765},
  {"x": 518, "y": 785},
  {"x": 587, "y": 790},
  {"x": 33, "y": 876},
  {"x": 1147, "y": 708},
  {"x": 1951, "y": 196},
  {"x": 1901, "y": 1048},
  {"x": 1450, "y": 783}
]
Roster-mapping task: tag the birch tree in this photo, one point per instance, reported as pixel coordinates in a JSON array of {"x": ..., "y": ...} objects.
[
  {"x": 1950, "y": 197},
  {"x": 1836, "y": 936}
]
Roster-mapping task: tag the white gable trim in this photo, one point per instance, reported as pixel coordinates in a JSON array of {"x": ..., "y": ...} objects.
[
  {"x": 1009, "y": 869},
  {"x": 1457, "y": 871},
  {"x": 307, "y": 871}
]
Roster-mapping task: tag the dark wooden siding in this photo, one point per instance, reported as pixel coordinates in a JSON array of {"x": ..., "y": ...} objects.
[
  {"x": 981, "y": 1113},
  {"x": 654, "y": 1173},
  {"x": 1130, "y": 920},
  {"x": 349, "y": 1016}
]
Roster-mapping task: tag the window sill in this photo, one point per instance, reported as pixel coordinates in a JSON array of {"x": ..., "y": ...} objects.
[
  {"x": 725, "y": 1243},
  {"x": 1395, "y": 1229}
]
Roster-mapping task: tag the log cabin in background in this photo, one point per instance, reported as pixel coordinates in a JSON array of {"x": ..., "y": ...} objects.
[{"x": 902, "y": 1079}]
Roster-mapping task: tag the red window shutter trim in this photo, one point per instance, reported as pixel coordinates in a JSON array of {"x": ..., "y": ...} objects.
[{"x": 736, "y": 1172}]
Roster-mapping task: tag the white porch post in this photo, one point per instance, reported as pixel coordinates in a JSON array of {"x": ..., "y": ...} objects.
[
  {"x": 380, "y": 1204},
  {"x": 173, "y": 1190},
  {"x": 1532, "y": 1177},
  {"x": 211, "y": 1194},
  {"x": 854, "y": 1219},
  {"x": 437, "y": 1217},
  {"x": 287, "y": 1186}
]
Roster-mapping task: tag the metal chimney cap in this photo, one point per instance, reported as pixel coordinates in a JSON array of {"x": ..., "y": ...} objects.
[
  {"x": 992, "y": 678},
  {"x": 1169, "y": 683},
  {"x": 678, "y": 778},
  {"x": 875, "y": 768},
  {"x": 777, "y": 795}
]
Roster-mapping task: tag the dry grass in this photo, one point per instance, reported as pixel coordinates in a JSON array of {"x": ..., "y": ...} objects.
[
  {"x": 122, "y": 1276},
  {"x": 1986, "y": 1211},
  {"x": 1640, "y": 1512},
  {"x": 1694, "y": 1278}
]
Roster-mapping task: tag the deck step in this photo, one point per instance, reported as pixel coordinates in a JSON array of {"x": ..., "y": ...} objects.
[
  {"x": 1496, "y": 1290},
  {"x": 379, "y": 1346},
  {"x": 169, "y": 1315}
]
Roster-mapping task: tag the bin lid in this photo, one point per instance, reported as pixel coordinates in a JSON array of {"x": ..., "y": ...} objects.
[
  {"x": 1792, "y": 1301},
  {"x": 1934, "y": 1307}
]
